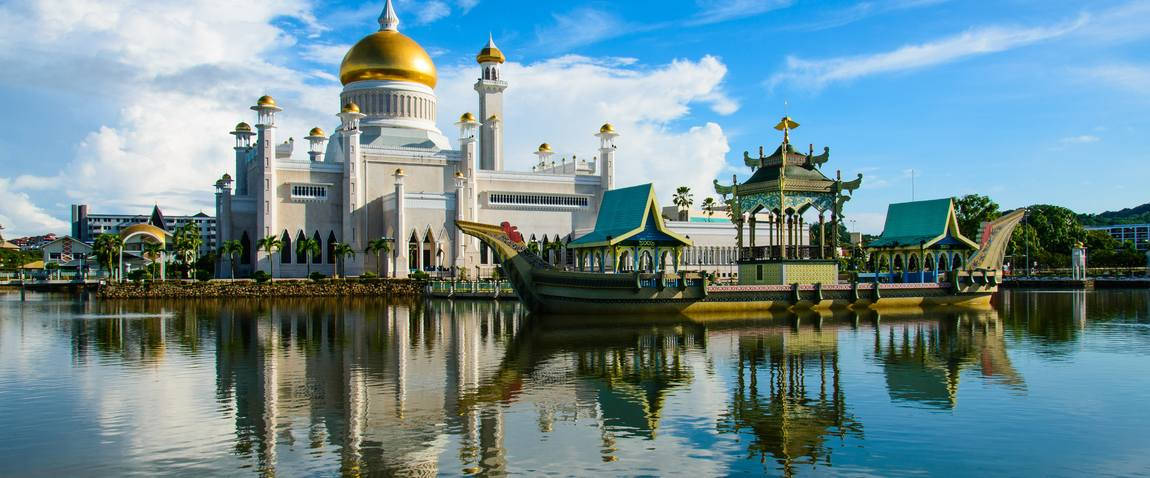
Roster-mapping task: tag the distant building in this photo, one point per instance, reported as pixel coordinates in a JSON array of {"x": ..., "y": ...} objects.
[
  {"x": 1139, "y": 234},
  {"x": 86, "y": 227},
  {"x": 33, "y": 242}
]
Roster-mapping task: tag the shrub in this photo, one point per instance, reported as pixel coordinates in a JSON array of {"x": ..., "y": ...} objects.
[
  {"x": 261, "y": 277},
  {"x": 203, "y": 275},
  {"x": 419, "y": 275},
  {"x": 317, "y": 277},
  {"x": 139, "y": 275}
]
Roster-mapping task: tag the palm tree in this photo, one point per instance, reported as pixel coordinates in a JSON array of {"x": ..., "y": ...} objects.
[
  {"x": 709, "y": 206},
  {"x": 309, "y": 248},
  {"x": 188, "y": 242},
  {"x": 232, "y": 249},
  {"x": 379, "y": 246},
  {"x": 108, "y": 248},
  {"x": 270, "y": 244},
  {"x": 683, "y": 200},
  {"x": 533, "y": 247},
  {"x": 154, "y": 251},
  {"x": 341, "y": 251},
  {"x": 557, "y": 248}
]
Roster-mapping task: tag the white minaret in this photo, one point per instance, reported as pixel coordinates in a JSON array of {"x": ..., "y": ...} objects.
[
  {"x": 400, "y": 249},
  {"x": 353, "y": 185},
  {"x": 243, "y": 134},
  {"x": 607, "y": 136},
  {"x": 224, "y": 220},
  {"x": 460, "y": 207},
  {"x": 490, "y": 88},
  {"x": 267, "y": 181},
  {"x": 316, "y": 141}
]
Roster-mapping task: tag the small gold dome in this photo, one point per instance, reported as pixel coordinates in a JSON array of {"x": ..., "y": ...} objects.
[
  {"x": 606, "y": 128},
  {"x": 459, "y": 174},
  {"x": 399, "y": 171},
  {"x": 266, "y": 100},
  {"x": 490, "y": 53},
  {"x": 227, "y": 177},
  {"x": 467, "y": 118},
  {"x": 388, "y": 55},
  {"x": 493, "y": 118},
  {"x": 350, "y": 107},
  {"x": 316, "y": 132},
  {"x": 243, "y": 127},
  {"x": 544, "y": 148}
]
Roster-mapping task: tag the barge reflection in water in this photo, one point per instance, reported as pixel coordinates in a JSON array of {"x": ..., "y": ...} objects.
[{"x": 354, "y": 387}]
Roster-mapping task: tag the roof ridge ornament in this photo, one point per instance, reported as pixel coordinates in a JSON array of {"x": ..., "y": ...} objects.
[{"x": 388, "y": 20}]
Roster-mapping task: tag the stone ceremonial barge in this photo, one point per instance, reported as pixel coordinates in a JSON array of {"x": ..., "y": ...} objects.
[{"x": 631, "y": 263}]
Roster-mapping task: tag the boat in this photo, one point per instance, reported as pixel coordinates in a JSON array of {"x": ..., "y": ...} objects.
[{"x": 544, "y": 288}]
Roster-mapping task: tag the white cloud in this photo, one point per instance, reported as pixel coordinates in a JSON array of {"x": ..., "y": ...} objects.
[
  {"x": 466, "y": 5},
  {"x": 20, "y": 217},
  {"x": 431, "y": 11},
  {"x": 564, "y": 100},
  {"x": 582, "y": 26},
  {"x": 177, "y": 96},
  {"x": 1131, "y": 77},
  {"x": 817, "y": 74},
  {"x": 1081, "y": 139},
  {"x": 324, "y": 53},
  {"x": 715, "y": 11}
]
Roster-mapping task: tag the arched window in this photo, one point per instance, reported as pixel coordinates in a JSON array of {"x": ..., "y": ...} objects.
[
  {"x": 331, "y": 247},
  {"x": 246, "y": 255},
  {"x": 285, "y": 248},
  {"x": 318, "y": 258},
  {"x": 300, "y": 257}
]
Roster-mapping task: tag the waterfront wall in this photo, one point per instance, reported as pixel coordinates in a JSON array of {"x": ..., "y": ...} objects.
[{"x": 301, "y": 288}]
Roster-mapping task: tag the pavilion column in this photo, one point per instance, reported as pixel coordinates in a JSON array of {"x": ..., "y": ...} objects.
[
  {"x": 835, "y": 234},
  {"x": 751, "y": 220},
  {"x": 800, "y": 235},
  {"x": 783, "y": 235},
  {"x": 739, "y": 232},
  {"x": 822, "y": 237}
]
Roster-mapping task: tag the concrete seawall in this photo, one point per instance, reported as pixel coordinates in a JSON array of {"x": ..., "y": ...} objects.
[{"x": 301, "y": 288}]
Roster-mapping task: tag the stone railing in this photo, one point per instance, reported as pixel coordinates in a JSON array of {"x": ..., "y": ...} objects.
[{"x": 245, "y": 288}]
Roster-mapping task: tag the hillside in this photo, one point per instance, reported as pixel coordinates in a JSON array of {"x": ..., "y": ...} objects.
[{"x": 1130, "y": 215}]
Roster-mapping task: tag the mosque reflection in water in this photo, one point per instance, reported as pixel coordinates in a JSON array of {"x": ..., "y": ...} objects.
[{"x": 409, "y": 388}]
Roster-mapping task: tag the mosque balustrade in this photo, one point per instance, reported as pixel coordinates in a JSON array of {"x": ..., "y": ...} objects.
[{"x": 759, "y": 253}]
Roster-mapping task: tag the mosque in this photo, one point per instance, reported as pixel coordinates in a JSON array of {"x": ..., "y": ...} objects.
[{"x": 388, "y": 172}]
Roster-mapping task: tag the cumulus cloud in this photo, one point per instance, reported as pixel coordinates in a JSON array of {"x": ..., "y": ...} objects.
[
  {"x": 179, "y": 84},
  {"x": 564, "y": 100},
  {"x": 816, "y": 74}
]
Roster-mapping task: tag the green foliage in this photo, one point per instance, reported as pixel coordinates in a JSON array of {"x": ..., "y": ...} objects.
[
  {"x": 1134, "y": 215},
  {"x": 1102, "y": 250},
  {"x": 10, "y": 259},
  {"x": 709, "y": 206},
  {"x": 232, "y": 249},
  {"x": 270, "y": 244},
  {"x": 203, "y": 275},
  {"x": 342, "y": 251},
  {"x": 187, "y": 246},
  {"x": 316, "y": 277},
  {"x": 378, "y": 247},
  {"x": 419, "y": 275},
  {"x": 261, "y": 277},
  {"x": 683, "y": 199},
  {"x": 972, "y": 210},
  {"x": 139, "y": 275},
  {"x": 107, "y": 248}
]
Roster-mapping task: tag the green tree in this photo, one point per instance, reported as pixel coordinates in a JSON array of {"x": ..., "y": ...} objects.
[
  {"x": 378, "y": 247},
  {"x": 341, "y": 252},
  {"x": 188, "y": 242},
  {"x": 533, "y": 247},
  {"x": 709, "y": 205},
  {"x": 683, "y": 200},
  {"x": 309, "y": 248},
  {"x": 554, "y": 252},
  {"x": 232, "y": 249},
  {"x": 270, "y": 244},
  {"x": 107, "y": 248},
  {"x": 972, "y": 210}
]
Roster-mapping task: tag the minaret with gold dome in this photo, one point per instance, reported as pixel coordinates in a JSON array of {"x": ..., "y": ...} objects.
[
  {"x": 392, "y": 79},
  {"x": 490, "y": 87}
]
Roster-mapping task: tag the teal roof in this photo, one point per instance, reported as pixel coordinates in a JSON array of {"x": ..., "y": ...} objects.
[
  {"x": 710, "y": 219},
  {"x": 621, "y": 215},
  {"x": 912, "y": 223}
]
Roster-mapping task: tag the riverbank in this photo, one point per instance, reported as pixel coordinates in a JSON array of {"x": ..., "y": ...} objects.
[{"x": 244, "y": 288}]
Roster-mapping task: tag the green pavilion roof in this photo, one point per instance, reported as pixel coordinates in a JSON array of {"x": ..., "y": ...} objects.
[
  {"x": 625, "y": 213},
  {"x": 910, "y": 224}
]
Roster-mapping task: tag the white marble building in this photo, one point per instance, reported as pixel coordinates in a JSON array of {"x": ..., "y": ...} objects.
[{"x": 387, "y": 171}]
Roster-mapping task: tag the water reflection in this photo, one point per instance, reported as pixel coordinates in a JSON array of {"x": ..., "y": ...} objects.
[{"x": 357, "y": 387}]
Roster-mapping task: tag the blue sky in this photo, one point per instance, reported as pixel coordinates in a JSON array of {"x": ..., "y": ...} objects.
[{"x": 122, "y": 104}]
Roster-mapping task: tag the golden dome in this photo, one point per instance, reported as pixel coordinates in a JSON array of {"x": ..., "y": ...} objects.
[
  {"x": 467, "y": 118},
  {"x": 227, "y": 177},
  {"x": 399, "y": 171},
  {"x": 387, "y": 55},
  {"x": 266, "y": 100},
  {"x": 544, "y": 148},
  {"x": 606, "y": 128},
  {"x": 459, "y": 174},
  {"x": 243, "y": 127},
  {"x": 316, "y": 132},
  {"x": 490, "y": 53},
  {"x": 350, "y": 107}
]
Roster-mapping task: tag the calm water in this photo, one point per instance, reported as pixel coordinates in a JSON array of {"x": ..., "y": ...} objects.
[{"x": 1045, "y": 384}]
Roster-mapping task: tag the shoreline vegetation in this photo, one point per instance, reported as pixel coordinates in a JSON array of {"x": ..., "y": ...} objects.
[{"x": 250, "y": 288}]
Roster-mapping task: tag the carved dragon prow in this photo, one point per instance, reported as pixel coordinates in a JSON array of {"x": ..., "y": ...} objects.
[{"x": 995, "y": 238}]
